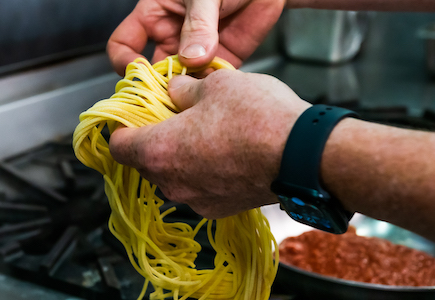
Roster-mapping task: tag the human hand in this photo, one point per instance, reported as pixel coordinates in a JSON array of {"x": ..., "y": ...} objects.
[
  {"x": 222, "y": 152},
  {"x": 195, "y": 29}
]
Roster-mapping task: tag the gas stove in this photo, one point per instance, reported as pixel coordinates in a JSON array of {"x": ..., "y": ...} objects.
[{"x": 53, "y": 228}]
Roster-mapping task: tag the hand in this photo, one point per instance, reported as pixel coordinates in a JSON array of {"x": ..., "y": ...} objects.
[
  {"x": 222, "y": 152},
  {"x": 197, "y": 30}
]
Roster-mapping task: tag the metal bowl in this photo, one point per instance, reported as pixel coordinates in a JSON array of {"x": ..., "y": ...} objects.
[{"x": 309, "y": 285}]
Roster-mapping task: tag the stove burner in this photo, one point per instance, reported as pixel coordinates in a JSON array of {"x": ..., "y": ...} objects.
[{"x": 53, "y": 215}]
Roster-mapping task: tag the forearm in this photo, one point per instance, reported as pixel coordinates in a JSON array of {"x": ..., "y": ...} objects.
[
  {"x": 383, "y": 172},
  {"x": 372, "y": 5}
]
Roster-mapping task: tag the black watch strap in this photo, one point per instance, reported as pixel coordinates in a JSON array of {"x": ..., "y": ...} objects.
[
  {"x": 300, "y": 163},
  {"x": 298, "y": 184}
]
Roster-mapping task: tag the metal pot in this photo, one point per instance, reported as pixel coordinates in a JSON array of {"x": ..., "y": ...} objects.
[{"x": 326, "y": 36}]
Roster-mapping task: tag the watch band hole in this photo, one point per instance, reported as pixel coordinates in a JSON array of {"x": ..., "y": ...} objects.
[{"x": 315, "y": 121}]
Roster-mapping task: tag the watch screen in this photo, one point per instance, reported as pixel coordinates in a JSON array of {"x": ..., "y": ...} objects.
[{"x": 306, "y": 213}]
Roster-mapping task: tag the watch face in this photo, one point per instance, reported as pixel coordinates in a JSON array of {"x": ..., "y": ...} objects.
[{"x": 306, "y": 213}]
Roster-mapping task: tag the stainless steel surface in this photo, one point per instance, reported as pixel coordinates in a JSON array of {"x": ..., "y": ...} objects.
[
  {"x": 327, "y": 36},
  {"x": 390, "y": 70},
  {"x": 44, "y": 104},
  {"x": 38, "y": 31},
  {"x": 53, "y": 77},
  {"x": 427, "y": 33}
]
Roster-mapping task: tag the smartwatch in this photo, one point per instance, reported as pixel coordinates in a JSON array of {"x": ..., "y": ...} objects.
[{"x": 298, "y": 186}]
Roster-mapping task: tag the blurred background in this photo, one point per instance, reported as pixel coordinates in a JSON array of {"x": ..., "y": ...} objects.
[
  {"x": 53, "y": 66},
  {"x": 42, "y": 31}
]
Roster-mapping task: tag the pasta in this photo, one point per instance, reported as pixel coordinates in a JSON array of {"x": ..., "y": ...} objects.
[{"x": 164, "y": 253}]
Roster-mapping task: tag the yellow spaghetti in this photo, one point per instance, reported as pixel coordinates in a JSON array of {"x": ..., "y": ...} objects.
[{"x": 164, "y": 253}]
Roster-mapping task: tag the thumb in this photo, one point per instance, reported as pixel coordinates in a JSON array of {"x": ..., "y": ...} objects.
[
  {"x": 199, "y": 34},
  {"x": 184, "y": 91},
  {"x": 126, "y": 144}
]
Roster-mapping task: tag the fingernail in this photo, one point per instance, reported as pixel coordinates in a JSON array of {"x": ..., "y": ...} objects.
[{"x": 193, "y": 51}]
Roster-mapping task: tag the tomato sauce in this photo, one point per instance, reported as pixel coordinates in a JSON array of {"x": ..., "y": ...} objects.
[{"x": 352, "y": 257}]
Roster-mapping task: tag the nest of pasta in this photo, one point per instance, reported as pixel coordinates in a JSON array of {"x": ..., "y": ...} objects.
[{"x": 164, "y": 253}]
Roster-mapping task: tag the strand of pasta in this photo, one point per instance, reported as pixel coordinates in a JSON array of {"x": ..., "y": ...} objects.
[{"x": 164, "y": 253}]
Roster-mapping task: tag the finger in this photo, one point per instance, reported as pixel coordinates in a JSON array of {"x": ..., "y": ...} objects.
[
  {"x": 241, "y": 33},
  {"x": 124, "y": 144},
  {"x": 199, "y": 34},
  {"x": 184, "y": 91},
  {"x": 126, "y": 42}
]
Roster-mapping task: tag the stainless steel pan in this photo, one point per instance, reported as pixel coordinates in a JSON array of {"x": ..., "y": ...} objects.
[{"x": 308, "y": 285}]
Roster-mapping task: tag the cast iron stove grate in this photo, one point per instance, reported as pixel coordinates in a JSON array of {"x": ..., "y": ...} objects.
[{"x": 53, "y": 227}]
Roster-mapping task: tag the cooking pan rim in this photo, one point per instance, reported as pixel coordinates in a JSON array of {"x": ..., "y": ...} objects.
[{"x": 357, "y": 284}]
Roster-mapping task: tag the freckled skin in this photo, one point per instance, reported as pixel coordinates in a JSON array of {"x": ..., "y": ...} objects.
[
  {"x": 245, "y": 170},
  {"x": 222, "y": 152},
  {"x": 231, "y": 144},
  {"x": 225, "y": 28},
  {"x": 385, "y": 172}
]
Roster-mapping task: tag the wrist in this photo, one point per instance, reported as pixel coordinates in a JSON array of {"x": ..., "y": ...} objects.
[
  {"x": 335, "y": 164},
  {"x": 298, "y": 185}
]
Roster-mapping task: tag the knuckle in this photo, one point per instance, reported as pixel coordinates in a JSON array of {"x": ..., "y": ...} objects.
[
  {"x": 216, "y": 78},
  {"x": 219, "y": 80}
]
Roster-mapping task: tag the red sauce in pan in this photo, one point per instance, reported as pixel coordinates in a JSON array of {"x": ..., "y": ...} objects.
[{"x": 357, "y": 258}]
